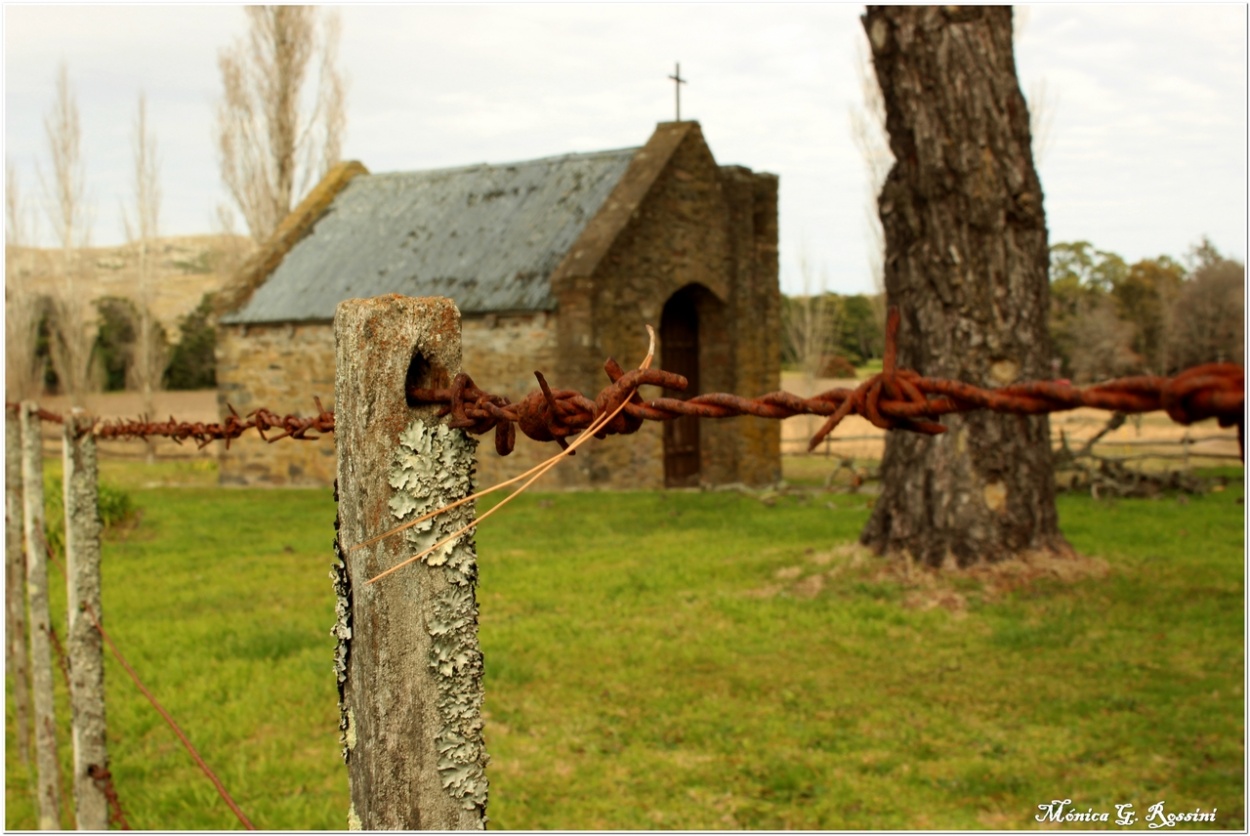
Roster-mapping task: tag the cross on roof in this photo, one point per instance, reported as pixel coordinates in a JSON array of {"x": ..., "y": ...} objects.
[{"x": 678, "y": 81}]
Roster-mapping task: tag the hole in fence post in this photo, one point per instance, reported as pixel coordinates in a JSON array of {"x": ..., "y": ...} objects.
[{"x": 422, "y": 374}]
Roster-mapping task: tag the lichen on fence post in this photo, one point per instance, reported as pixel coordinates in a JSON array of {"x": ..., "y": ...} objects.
[
  {"x": 18, "y": 664},
  {"x": 85, "y": 648},
  {"x": 47, "y": 787},
  {"x": 408, "y": 663}
]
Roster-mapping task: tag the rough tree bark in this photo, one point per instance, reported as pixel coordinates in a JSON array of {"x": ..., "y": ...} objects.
[{"x": 966, "y": 264}]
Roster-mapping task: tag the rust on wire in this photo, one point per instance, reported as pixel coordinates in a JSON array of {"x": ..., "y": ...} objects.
[
  {"x": 103, "y": 780},
  {"x": 892, "y": 399},
  {"x": 62, "y": 658},
  {"x": 262, "y": 420}
]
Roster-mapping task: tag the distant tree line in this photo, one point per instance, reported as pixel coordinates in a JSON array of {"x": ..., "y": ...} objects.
[
  {"x": 279, "y": 127},
  {"x": 1108, "y": 318},
  {"x": 115, "y": 356},
  {"x": 828, "y": 334},
  {"x": 1156, "y": 316}
]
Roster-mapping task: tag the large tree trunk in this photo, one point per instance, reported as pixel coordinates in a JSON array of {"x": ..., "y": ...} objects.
[{"x": 966, "y": 264}]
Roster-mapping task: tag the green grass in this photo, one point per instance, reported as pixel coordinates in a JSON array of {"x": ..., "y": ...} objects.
[
  {"x": 658, "y": 660},
  {"x": 869, "y": 368}
]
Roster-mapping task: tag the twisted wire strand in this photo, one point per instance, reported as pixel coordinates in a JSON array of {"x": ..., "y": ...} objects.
[{"x": 892, "y": 399}]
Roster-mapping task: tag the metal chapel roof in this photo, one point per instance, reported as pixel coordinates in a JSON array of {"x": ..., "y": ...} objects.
[{"x": 487, "y": 236}]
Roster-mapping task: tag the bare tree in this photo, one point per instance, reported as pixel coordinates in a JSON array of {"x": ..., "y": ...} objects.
[
  {"x": 272, "y": 139},
  {"x": 1042, "y": 107},
  {"x": 868, "y": 132},
  {"x": 73, "y": 327},
  {"x": 1210, "y": 315},
  {"x": 22, "y": 369},
  {"x": 809, "y": 323},
  {"x": 1104, "y": 347},
  {"x": 143, "y": 229},
  {"x": 1042, "y": 104}
]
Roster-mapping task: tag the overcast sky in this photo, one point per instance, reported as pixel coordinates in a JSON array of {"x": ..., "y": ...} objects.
[{"x": 1146, "y": 150}]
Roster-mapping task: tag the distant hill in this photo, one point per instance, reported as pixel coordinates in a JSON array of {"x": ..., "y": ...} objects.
[{"x": 187, "y": 267}]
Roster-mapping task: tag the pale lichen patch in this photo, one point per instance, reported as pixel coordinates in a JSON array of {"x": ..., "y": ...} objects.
[
  {"x": 349, "y": 732},
  {"x": 428, "y": 467},
  {"x": 342, "y": 632},
  {"x": 433, "y": 465}
]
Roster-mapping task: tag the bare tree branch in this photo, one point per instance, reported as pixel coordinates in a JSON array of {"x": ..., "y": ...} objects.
[
  {"x": 23, "y": 372},
  {"x": 868, "y": 132},
  {"x": 809, "y": 324},
  {"x": 74, "y": 330},
  {"x": 268, "y": 148},
  {"x": 142, "y": 229}
]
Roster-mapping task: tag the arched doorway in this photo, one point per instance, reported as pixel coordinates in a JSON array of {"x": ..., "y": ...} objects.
[{"x": 679, "y": 353}]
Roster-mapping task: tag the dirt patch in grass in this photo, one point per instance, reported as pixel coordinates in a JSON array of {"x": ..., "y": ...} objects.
[
  {"x": 951, "y": 587},
  {"x": 924, "y": 588}
]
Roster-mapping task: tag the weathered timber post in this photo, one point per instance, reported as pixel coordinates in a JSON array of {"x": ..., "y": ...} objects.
[
  {"x": 86, "y": 652},
  {"x": 18, "y": 664},
  {"x": 47, "y": 790},
  {"x": 409, "y": 664}
]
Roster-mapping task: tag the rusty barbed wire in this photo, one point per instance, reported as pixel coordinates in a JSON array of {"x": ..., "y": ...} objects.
[
  {"x": 892, "y": 399},
  {"x": 62, "y": 658},
  {"x": 262, "y": 420},
  {"x": 103, "y": 780}
]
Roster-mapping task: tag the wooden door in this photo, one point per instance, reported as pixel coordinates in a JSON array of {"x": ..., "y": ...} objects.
[{"x": 679, "y": 352}]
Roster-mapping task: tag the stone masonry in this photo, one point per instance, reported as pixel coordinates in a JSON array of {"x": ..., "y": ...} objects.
[{"x": 676, "y": 223}]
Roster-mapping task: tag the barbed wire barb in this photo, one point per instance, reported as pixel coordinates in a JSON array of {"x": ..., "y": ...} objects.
[
  {"x": 537, "y": 471},
  {"x": 892, "y": 399}
]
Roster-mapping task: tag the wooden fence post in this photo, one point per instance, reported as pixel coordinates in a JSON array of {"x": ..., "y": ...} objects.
[
  {"x": 47, "y": 767},
  {"x": 85, "y": 647},
  {"x": 15, "y": 582},
  {"x": 409, "y": 663}
]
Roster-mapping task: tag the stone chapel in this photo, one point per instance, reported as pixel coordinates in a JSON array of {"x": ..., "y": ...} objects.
[{"x": 555, "y": 264}]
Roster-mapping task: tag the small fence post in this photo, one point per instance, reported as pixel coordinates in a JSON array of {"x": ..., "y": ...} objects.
[
  {"x": 15, "y": 583},
  {"x": 409, "y": 663},
  {"x": 48, "y": 790},
  {"x": 86, "y": 652}
]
